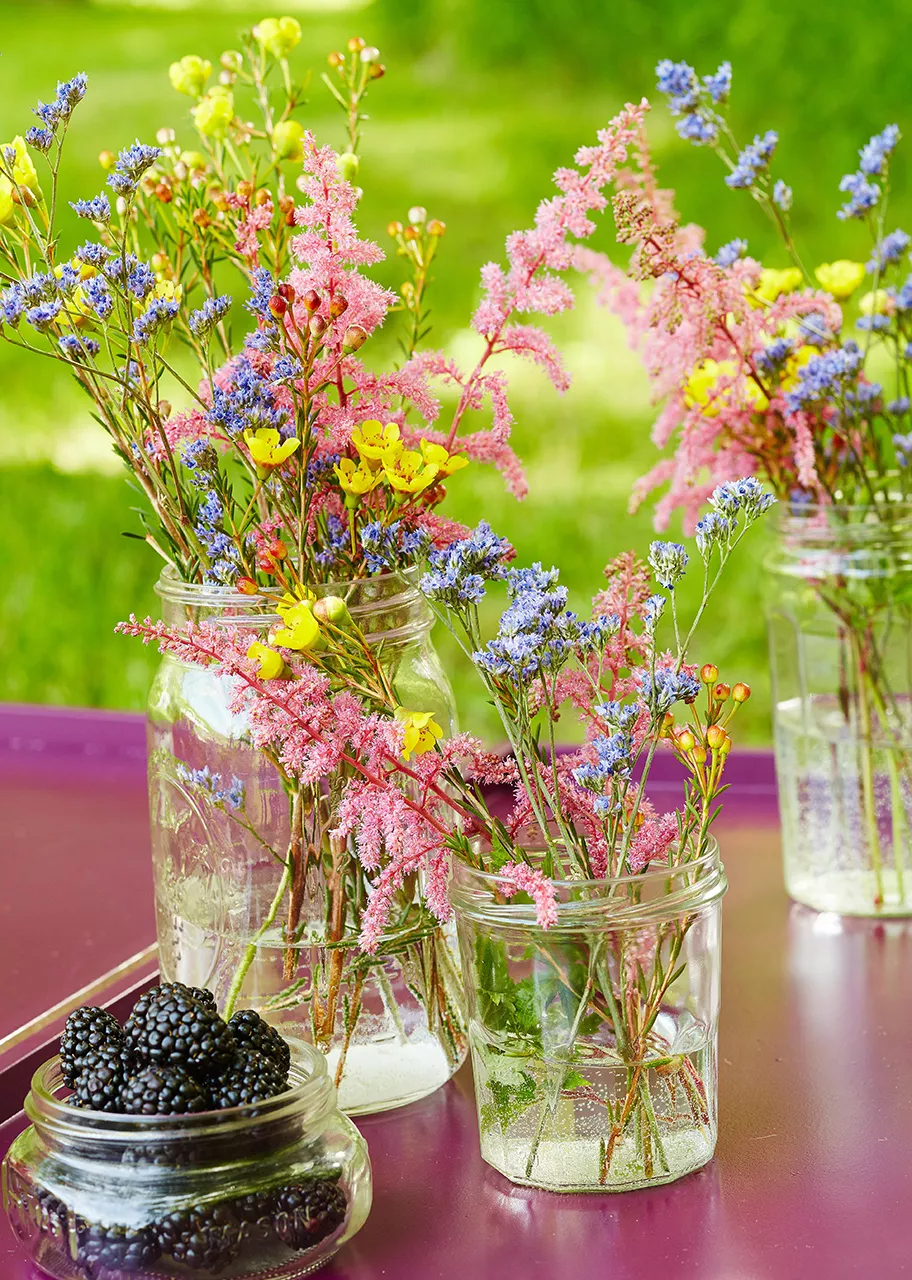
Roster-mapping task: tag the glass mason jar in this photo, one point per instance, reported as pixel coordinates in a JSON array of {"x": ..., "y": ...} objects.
[
  {"x": 840, "y": 608},
  {"x": 258, "y": 903},
  {"x": 594, "y": 1041},
  {"x": 267, "y": 1190}
]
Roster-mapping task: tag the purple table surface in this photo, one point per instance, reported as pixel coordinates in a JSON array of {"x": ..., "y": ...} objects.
[{"x": 813, "y": 1173}]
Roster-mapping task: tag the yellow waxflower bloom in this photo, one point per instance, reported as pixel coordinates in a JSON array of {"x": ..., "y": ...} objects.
[
  {"x": 271, "y": 664},
  {"x": 356, "y": 480},
  {"x": 301, "y": 631},
  {"x": 772, "y": 282},
  {"x": 277, "y": 36},
  {"x": 876, "y": 303},
  {"x": 409, "y": 473},
  {"x": 446, "y": 463},
  {"x": 7, "y": 203},
  {"x": 795, "y": 363},
  {"x": 702, "y": 389},
  {"x": 422, "y": 732},
  {"x": 289, "y": 601},
  {"x": 265, "y": 448},
  {"x": 24, "y": 171},
  {"x": 840, "y": 278},
  {"x": 286, "y": 139},
  {"x": 375, "y": 442},
  {"x": 214, "y": 113},
  {"x": 170, "y": 290},
  {"x": 189, "y": 76}
]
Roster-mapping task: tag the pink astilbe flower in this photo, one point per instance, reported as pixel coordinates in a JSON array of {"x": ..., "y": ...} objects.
[
  {"x": 256, "y": 220},
  {"x": 519, "y": 877},
  {"x": 652, "y": 842}
]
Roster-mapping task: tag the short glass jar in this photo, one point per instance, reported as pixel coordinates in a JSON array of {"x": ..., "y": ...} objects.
[
  {"x": 594, "y": 1041},
  {"x": 257, "y": 902},
  {"x": 270, "y": 1190},
  {"x": 840, "y": 623}
]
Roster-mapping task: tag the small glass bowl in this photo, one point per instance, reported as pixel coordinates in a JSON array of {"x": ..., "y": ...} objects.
[{"x": 267, "y": 1190}]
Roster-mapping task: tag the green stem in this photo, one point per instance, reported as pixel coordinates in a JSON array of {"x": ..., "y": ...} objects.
[
  {"x": 251, "y": 949},
  {"x": 866, "y": 759}
]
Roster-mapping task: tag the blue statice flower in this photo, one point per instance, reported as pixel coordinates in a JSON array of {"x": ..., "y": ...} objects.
[
  {"x": 201, "y": 460},
  {"x": 68, "y": 279},
  {"x": 746, "y": 497},
  {"x": 210, "y": 313},
  {"x": 653, "y": 610},
  {"x": 43, "y": 316},
  {"x": 69, "y": 94},
  {"x": 814, "y": 330},
  {"x": 78, "y": 348},
  {"x": 903, "y": 296},
  {"x": 712, "y": 532},
  {"x": 320, "y": 469},
  {"x": 679, "y": 82},
  {"x": 98, "y": 209},
  {"x": 753, "y": 160},
  {"x": 458, "y": 572},
  {"x": 40, "y": 287},
  {"x": 864, "y": 394},
  {"x": 286, "y": 368},
  {"x": 232, "y": 796},
  {"x": 12, "y": 304},
  {"x": 119, "y": 267},
  {"x": 669, "y": 562},
  {"x": 873, "y": 155},
  {"x": 661, "y": 690},
  {"x": 731, "y": 252},
  {"x": 263, "y": 288},
  {"x": 264, "y": 339},
  {"x": 41, "y": 139},
  {"x": 864, "y": 195},
  {"x": 718, "y": 85},
  {"x": 618, "y": 716},
  {"x": 141, "y": 281},
  {"x": 697, "y": 128},
  {"x": 873, "y": 324},
  {"x": 825, "y": 376},
  {"x": 889, "y": 249},
  {"x": 614, "y": 759},
  {"x": 782, "y": 195},
  {"x": 773, "y": 357},
  {"x": 131, "y": 164},
  {"x": 211, "y": 512},
  {"x": 247, "y": 404},
  {"x": 391, "y": 546},
  {"x": 93, "y": 255},
  {"x": 157, "y": 316},
  {"x": 898, "y": 406},
  {"x": 130, "y": 373},
  {"x": 334, "y": 544},
  {"x": 903, "y": 446}
]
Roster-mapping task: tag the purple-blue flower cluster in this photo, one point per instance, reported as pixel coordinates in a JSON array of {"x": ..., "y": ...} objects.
[
  {"x": 458, "y": 572},
  {"x": 98, "y": 209},
  {"x": 662, "y": 689},
  {"x": 203, "y": 321},
  {"x": 863, "y": 193},
  {"x": 753, "y": 160},
  {"x": 333, "y": 544},
  {"x": 669, "y": 562},
  {"x": 76, "y": 348},
  {"x": 220, "y": 548},
  {"x": 691, "y": 101},
  {"x": 826, "y": 376},
  {"x": 392, "y": 546},
  {"x": 247, "y": 404},
  {"x": 157, "y": 316},
  {"x": 745, "y": 497},
  {"x": 782, "y": 195},
  {"x": 889, "y": 249},
  {"x": 54, "y": 114},
  {"x": 231, "y": 797},
  {"x": 713, "y": 532},
  {"x": 131, "y": 164},
  {"x": 731, "y": 252}
]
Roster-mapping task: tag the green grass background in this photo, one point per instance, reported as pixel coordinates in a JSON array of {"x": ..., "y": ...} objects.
[{"x": 483, "y": 99}]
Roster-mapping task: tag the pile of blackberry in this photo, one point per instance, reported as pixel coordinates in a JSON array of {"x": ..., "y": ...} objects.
[{"x": 175, "y": 1056}]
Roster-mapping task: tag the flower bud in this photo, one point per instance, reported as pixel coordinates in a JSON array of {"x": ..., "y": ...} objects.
[
  {"x": 741, "y": 692},
  {"x": 189, "y": 76},
  {"x": 356, "y": 44},
  {"x": 120, "y": 205},
  {"x": 721, "y": 691},
  {"x": 410, "y": 233},
  {"x": 265, "y": 565},
  {"x": 699, "y": 754},
  {"x": 369, "y": 53},
  {"x": 337, "y": 306},
  {"x": 262, "y": 197},
  {"x": 287, "y": 209},
  {"x": 277, "y": 36},
  {"x": 164, "y": 408},
  {"x": 286, "y": 291},
  {"x": 286, "y": 140},
  {"x": 158, "y": 262},
  {"x": 201, "y": 218},
  {"x": 277, "y": 549},
  {"x": 193, "y": 160},
  {"x": 311, "y": 300},
  {"x": 317, "y": 327},
  {"x": 107, "y": 160},
  {"x": 436, "y": 228},
  {"x": 715, "y": 736},
  {"x": 667, "y": 725},
  {"x": 686, "y": 740},
  {"x": 227, "y": 78},
  {"x": 726, "y": 746},
  {"x": 394, "y": 229},
  {"x": 278, "y": 306},
  {"x": 355, "y": 338},
  {"x": 245, "y": 190},
  {"x": 332, "y": 609},
  {"x": 709, "y": 674},
  {"x": 164, "y": 192},
  {"x": 348, "y": 165},
  {"x": 231, "y": 60},
  {"x": 164, "y": 137},
  {"x": 417, "y": 215},
  {"x": 181, "y": 171},
  {"x": 247, "y": 586},
  {"x": 336, "y": 59},
  {"x": 377, "y": 71}
]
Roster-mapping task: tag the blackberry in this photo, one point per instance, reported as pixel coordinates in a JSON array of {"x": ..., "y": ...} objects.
[
  {"x": 253, "y": 1078},
  {"x": 121, "y": 1250},
  {"x": 255, "y": 1212},
  {"x": 53, "y": 1212},
  {"x": 85, "y": 1030},
  {"x": 250, "y": 1031},
  {"x": 176, "y": 1030},
  {"x": 199, "y": 994},
  {"x": 308, "y": 1212},
  {"x": 202, "y": 1239},
  {"x": 163, "y": 1091},
  {"x": 101, "y": 1077}
]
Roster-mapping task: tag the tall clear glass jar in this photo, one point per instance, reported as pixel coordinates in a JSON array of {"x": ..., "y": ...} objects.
[
  {"x": 594, "y": 1042},
  {"x": 840, "y": 609},
  {"x": 270, "y": 1190},
  {"x": 259, "y": 903}
]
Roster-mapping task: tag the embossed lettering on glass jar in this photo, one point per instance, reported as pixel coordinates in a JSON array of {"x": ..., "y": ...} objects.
[
  {"x": 270, "y": 1190},
  {"x": 257, "y": 902},
  {"x": 840, "y": 622},
  {"x": 594, "y": 1041}
]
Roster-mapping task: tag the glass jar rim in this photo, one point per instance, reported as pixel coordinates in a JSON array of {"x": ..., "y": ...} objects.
[
  {"x": 855, "y": 513},
  {"x": 312, "y": 1093},
  {"x": 175, "y": 590}
]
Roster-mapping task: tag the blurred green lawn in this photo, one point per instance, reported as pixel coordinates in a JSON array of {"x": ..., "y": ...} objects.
[{"x": 483, "y": 99}]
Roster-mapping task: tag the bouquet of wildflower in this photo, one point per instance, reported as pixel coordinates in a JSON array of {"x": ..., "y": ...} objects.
[
  {"x": 581, "y": 825},
  {"x": 791, "y": 376}
]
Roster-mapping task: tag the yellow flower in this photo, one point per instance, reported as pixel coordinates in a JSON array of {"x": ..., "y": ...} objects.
[
  {"x": 772, "y": 282},
  {"x": 409, "y": 473},
  {"x": 24, "y": 172},
  {"x": 265, "y": 449},
  {"x": 214, "y": 113},
  {"x": 840, "y": 278},
  {"x": 277, "y": 36},
  {"x": 446, "y": 463},
  {"x": 794, "y": 364},
  {"x": 271, "y": 664},
  {"x": 356, "y": 480},
  {"x": 375, "y": 442},
  {"x": 167, "y": 289},
  {"x": 702, "y": 390},
  {"x": 286, "y": 139},
  {"x": 301, "y": 631},
  {"x": 877, "y": 303},
  {"x": 189, "y": 76},
  {"x": 7, "y": 203},
  {"x": 422, "y": 732},
  {"x": 290, "y": 601}
]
